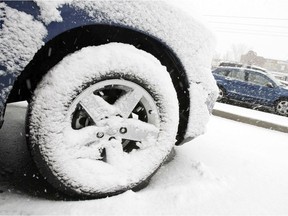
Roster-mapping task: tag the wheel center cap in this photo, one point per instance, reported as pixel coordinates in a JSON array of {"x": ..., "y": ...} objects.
[{"x": 111, "y": 131}]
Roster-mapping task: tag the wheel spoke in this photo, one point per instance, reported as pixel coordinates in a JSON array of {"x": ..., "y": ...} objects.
[
  {"x": 114, "y": 153},
  {"x": 138, "y": 131},
  {"x": 83, "y": 137},
  {"x": 284, "y": 107},
  {"x": 84, "y": 143},
  {"x": 97, "y": 108},
  {"x": 128, "y": 102}
]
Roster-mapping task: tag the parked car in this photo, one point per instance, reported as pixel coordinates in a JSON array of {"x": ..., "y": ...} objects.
[
  {"x": 111, "y": 86},
  {"x": 251, "y": 87}
]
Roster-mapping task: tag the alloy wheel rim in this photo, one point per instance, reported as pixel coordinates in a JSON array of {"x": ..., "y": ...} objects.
[
  {"x": 282, "y": 107},
  {"x": 114, "y": 110}
]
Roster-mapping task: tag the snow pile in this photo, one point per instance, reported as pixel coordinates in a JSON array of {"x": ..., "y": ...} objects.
[
  {"x": 253, "y": 114},
  {"x": 220, "y": 173},
  {"x": 50, "y": 118}
]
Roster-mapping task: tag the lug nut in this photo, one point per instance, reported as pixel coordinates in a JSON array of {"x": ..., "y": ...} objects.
[
  {"x": 100, "y": 135},
  {"x": 123, "y": 130},
  {"x": 111, "y": 138}
]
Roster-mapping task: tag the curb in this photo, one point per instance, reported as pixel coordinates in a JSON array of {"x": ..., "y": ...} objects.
[{"x": 251, "y": 121}]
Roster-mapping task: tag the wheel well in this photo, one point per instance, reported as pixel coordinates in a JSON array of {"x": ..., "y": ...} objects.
[
  {"x": 279, "y": 99},
  {"x": 75, "y": 39},
  {"x": 220, "y": 86}
]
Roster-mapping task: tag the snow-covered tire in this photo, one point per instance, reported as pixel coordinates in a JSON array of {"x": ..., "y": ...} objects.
[{"x": 80, "y": 123}]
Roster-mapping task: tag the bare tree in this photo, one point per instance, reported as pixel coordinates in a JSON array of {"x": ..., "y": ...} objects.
[{"x": 234, "y": 54}]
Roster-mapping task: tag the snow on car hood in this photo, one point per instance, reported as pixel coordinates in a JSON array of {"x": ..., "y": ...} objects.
[{"x": 189, "y": 39}]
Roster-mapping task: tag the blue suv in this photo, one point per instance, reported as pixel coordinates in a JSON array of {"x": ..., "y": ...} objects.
[{"x": 253, "y": 87}]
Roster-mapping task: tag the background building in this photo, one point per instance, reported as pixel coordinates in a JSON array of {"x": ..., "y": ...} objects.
[{"x": 251, "y": 58}]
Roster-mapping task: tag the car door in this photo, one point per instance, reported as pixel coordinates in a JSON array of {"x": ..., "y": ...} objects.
[
  {"x": 235, "y": 84},
  {"x": 261, "y": 88}
]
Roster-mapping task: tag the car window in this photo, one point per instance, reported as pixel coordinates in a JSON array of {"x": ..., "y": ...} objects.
[
  {"x": 237, "y": 74},
  {"x": 258, "y": 79},
  {"x": 221, "y": 72}
]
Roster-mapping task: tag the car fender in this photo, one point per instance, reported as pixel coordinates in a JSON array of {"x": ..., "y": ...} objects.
[{"x": 40, "y": 21}]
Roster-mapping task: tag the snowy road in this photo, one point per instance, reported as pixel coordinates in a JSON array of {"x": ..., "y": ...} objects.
[{"x": 233, "y": 169}]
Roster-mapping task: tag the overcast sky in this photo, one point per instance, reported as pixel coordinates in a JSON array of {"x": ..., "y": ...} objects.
[{"x": 259, "y": 25}]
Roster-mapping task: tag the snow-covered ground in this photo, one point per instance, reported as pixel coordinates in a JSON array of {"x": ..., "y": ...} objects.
[
  {"x": 233, "y": 169},
  {"x": 253, "y": 114}
]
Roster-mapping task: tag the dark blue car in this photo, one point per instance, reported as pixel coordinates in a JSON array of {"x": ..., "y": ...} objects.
[
  {"x": 111, "y": 87},
  {"x": 251, "y": 87}
]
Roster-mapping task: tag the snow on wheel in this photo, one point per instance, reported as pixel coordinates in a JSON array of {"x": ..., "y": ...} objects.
[{"x": 103, "y": 120}]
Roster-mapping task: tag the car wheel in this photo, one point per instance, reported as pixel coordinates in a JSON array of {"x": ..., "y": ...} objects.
[
  {"x": 221, "y": 94},
  {"x": 281, "y": 107},
  {"x": 103, "y": 120}
]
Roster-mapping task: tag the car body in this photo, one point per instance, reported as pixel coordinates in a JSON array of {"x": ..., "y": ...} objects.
[
  {"x": 252, "y": 87},
  {"x": 51, "y": 30},
  {"x": 81, "y": 66}
]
